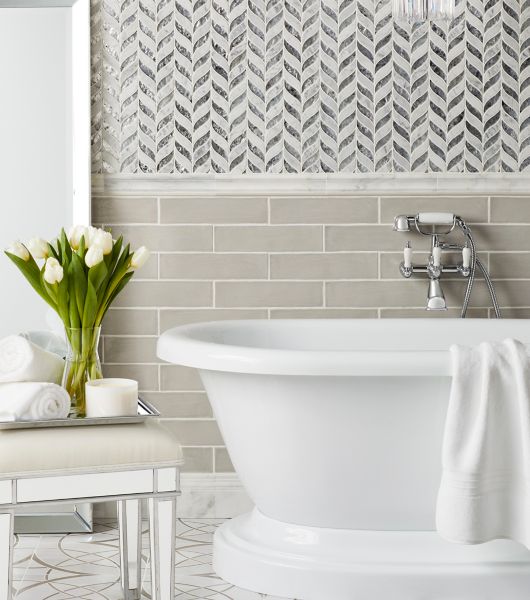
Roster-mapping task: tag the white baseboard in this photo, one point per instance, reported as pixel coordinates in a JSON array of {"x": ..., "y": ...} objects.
[{"x": 206, "y": 495}]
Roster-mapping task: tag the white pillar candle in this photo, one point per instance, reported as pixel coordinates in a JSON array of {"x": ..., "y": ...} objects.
[{"x": 111, "y": 397}]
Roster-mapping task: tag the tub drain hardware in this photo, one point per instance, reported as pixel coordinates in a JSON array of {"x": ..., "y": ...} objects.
[{"x": 437, "y": 225}]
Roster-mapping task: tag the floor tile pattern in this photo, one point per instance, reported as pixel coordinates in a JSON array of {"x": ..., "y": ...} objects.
[{"x": 60, "y": 567}]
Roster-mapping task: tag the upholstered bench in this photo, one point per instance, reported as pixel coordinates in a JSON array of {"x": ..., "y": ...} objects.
[{"x": 125, "y": 463}]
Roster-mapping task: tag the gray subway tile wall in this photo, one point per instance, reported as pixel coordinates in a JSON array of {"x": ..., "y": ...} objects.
[{"x": 278, "y": 257}]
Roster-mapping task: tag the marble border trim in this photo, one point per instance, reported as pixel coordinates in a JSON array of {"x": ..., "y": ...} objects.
[
  {"x": 203, "y": 495},
  {"x": 212, "y": 495},
  {"x": 311, "y": 184}
]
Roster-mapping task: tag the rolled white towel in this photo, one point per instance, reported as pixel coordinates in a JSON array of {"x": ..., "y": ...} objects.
[
  {"x": 22, "y": 360},
  {"x": 33, "y": 401}
]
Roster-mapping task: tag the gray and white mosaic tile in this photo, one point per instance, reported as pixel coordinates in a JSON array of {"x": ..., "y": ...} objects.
[
  {"x": 292, "y": 86},
  {"x": 60, "y": 567}
]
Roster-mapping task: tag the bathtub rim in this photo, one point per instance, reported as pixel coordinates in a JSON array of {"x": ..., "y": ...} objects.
[{"x": 179, "y": 346}]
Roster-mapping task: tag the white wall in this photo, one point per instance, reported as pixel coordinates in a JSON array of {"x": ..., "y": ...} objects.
[{"x": 35, "y": 145}]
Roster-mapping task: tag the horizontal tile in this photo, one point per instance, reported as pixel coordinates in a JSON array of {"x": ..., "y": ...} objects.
[
  {"x": 166, "y": 293},
  {"x": 223, "y": 464},
  {"x": 195, "y": 432},
  {"x": 513, "y": 293},
  {"x": 182, "y": 316},
  {"x": 510, "y": 209},
  {"x": 339, "y": 238},
  {"x": 180, "y": 404},
  {"x": 268, "y": 293},
  {"x": 131, "y": 321},
  {"x": 502, "y": 237},
  {"x": 128, "y": 209},
  {"x": 324, "y": 209},
  {"x": 177, "y": 377},
  {"x": 473, "y": 209},
  {"x": 197, "y": 460},
  {"x": 323, "y": 313},
  {"x": 130, "y": 349},
  {"x": 421, "y": 313},
  {"x": 214, "y": 266},
  {"x": 324, "y": 266},
  {"x": 146, "y": 375},
  {"x": 513, "y": 265},
  {"x": 396, "y": 294},
  {"x": 268, "y": 238},
  {"x": 167, "y": 238},
  {"x": 516, "y": 313},
  {"x": 215, "y": 209}
]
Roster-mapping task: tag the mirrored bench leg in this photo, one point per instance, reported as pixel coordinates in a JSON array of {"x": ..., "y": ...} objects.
[
  {"x": 162, "y": 531},
  {"x": 130, "y": 526},
  {"x": 6, "y": 555}
]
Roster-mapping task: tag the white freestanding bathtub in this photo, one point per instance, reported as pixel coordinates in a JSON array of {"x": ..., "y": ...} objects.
[{"x": 335, "y": 429}]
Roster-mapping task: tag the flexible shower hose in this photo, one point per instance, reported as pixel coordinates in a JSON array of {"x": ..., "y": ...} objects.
[{"x": 471, "y": 279}]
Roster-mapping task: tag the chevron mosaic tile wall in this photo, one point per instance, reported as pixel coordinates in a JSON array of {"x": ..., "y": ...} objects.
[{"x": 252, "y": 86}]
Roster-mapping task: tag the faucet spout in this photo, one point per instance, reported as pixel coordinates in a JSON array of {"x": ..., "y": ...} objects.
[{"x": 435, "y": 296}]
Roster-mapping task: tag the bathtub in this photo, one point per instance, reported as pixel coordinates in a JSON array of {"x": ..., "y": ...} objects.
[{"x": 335, "y": 429}]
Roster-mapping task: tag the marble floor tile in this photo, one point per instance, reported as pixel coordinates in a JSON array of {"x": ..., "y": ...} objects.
[{"x": 86, "y": 566}]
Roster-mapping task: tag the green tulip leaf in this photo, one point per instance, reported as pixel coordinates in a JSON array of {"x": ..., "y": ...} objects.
[
  {"x": 80, "y": 282},
  {"x": 31, "y": 272},
  {"x": 91, "y": 306}
]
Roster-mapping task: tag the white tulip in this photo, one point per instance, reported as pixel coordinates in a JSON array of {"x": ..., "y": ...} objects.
[
  {"x": 90, "y": 232},
  {"x": 75, "y": 234},
  {"x": 53, "y": 272},
  {"x": 19, "y": 250},
  {"x": 102, "y": 239},
  {"x": 139, "y": 258},
  {"x": 93, "y": 256},
  {"x": 38, "y": 247}
]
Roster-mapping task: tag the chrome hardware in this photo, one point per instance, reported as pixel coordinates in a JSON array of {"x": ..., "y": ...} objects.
[
  {"x": 402, "y": 223},
  {"x": 435, "y": 296},
  {"x": 436, "y": 225}
]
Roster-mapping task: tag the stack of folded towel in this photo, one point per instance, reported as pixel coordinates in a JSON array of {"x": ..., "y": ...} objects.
[{"x": 29, "y": 378}]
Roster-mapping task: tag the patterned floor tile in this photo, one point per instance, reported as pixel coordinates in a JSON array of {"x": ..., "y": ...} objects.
[{"x": 86, "y": 566}]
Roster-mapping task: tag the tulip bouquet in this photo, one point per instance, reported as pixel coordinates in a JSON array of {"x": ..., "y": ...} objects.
[{"x": 81, "y": 274}]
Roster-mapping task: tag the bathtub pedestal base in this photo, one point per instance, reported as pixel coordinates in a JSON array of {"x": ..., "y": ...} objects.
[{"x": 310, "y": 563}]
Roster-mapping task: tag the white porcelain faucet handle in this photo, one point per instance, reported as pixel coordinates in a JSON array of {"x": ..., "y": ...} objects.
[
  {"x": 436, "y": 256},
  {"x": 466, "y": 257},
  {"x": 407, "y": 256}
]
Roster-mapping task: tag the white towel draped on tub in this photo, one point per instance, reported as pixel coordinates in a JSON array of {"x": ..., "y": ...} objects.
[
  {"x": 485, "y": 488},
  {"x": 32, "y": 401},
  {"x": 21, "y": 360}
]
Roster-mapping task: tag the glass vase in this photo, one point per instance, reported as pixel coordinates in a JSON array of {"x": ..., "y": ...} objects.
[{"x": 82, "y": 365}]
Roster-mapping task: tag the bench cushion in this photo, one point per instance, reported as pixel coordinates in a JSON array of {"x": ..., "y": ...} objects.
[{"x": 67, "y": 450}]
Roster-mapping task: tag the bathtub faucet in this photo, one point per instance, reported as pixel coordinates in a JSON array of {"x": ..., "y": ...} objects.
[{"x": 437, "y": 226}]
